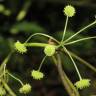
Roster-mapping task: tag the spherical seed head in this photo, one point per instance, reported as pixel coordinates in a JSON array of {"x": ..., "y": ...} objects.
[
  {"x": 37, "y": 74},
  {"x": 25, "y": 89},
  {"x": 69, "y": 11},
  {"x": 82, "y": 83},
  {"x": 49, "y": 50},
  {"x": 20, "y": 47},
  {"x": 2, "y": 91}
]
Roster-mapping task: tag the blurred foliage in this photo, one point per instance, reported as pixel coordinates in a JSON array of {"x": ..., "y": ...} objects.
[
  {"x": 45, "y": 16},
  {"x": 26, "y": 27}
]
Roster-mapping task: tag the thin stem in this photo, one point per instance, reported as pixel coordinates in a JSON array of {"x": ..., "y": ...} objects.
[
  {"x": 79, "y": 40},
  {"x": 65, "y": 28},
  {"x": 5, "y": 61},
  {"x": 8, "y": 88},
  {"x": 42, "y": 63},
  {"x": 83, "y": 29},
  {"x": 80, "y": 59},
  {"x": 41, "y": 35},
  {"x": 65, "y": 80},
  {"x": 4, "y": 71},
  {"x": 36, "y": 44},
  {"x": 71, "y": 85},
  {"x": 83, "y": 61},
  {"x": 73, "y": 62},
  {"x": 15, "y": 78}
]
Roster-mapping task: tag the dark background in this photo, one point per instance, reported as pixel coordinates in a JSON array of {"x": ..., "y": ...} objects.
[{"x": 46, "y": 16}]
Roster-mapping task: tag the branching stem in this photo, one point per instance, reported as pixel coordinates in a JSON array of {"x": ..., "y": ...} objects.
[
  {"x": 8, "y": 88},
  {"x": 72, "y": 91},
  {"x": 73, "y": 62},
  {"x": 81, "y": 30},
  {"x": 79, "y": 40}
]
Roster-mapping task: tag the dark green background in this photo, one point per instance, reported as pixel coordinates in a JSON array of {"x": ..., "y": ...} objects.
[{"x": 46, "y": 16}]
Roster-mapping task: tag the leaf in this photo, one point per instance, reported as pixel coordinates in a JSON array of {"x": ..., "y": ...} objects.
[{"x": 29, "y": 27}]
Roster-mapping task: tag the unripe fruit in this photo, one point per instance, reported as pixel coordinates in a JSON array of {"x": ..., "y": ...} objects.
[
  {"x": 69, "y": 11},
  {"x": 49, "y": 50}
]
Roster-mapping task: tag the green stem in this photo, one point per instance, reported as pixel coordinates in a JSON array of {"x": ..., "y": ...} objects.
[
  {"x": 71, "y": 85},
  {"x": 83, "y": 61},
  {"x": 65, "y": 80},
  {"x": 36, "y": 44},
  {"x": 79, "y": 40},
  {"x": 42, "y": 63},
  {"x": 41, "y": 35},
  {"x": 8, "y": 88},
  {"x": 65, "y": 28},
  {"x": 15, "y": 78},
  {"x": 4, "y": 71},
  {"x": 5, "y": 61},
  {"x": 73, "y": 62},
  {"x": 83, "y": 29}
]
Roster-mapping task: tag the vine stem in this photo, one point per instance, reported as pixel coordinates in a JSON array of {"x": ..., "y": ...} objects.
[
  {"x": 41, "y": 35},
  {"x": 42, "y": 63},
  {"x": 83, "y": 61},
  {"x": 73, "y": 62},
  {"x": 72, "y": 91},
  {"x": 79, "y": 40},
  {"x": 80, "y": 59},
  {"x": 65, "y": 29},
  {"x": 36, "y": 44},
  {"x": 15, "y": 78},
  {"x": 74, "y": 55},
  {"x": 8, "y": 88},
  {"x": 86, "y": 27},
  {"x": 5, "y": 61}
]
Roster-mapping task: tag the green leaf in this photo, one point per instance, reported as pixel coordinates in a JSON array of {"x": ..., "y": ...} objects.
[{"x": 27, "y": 27}]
